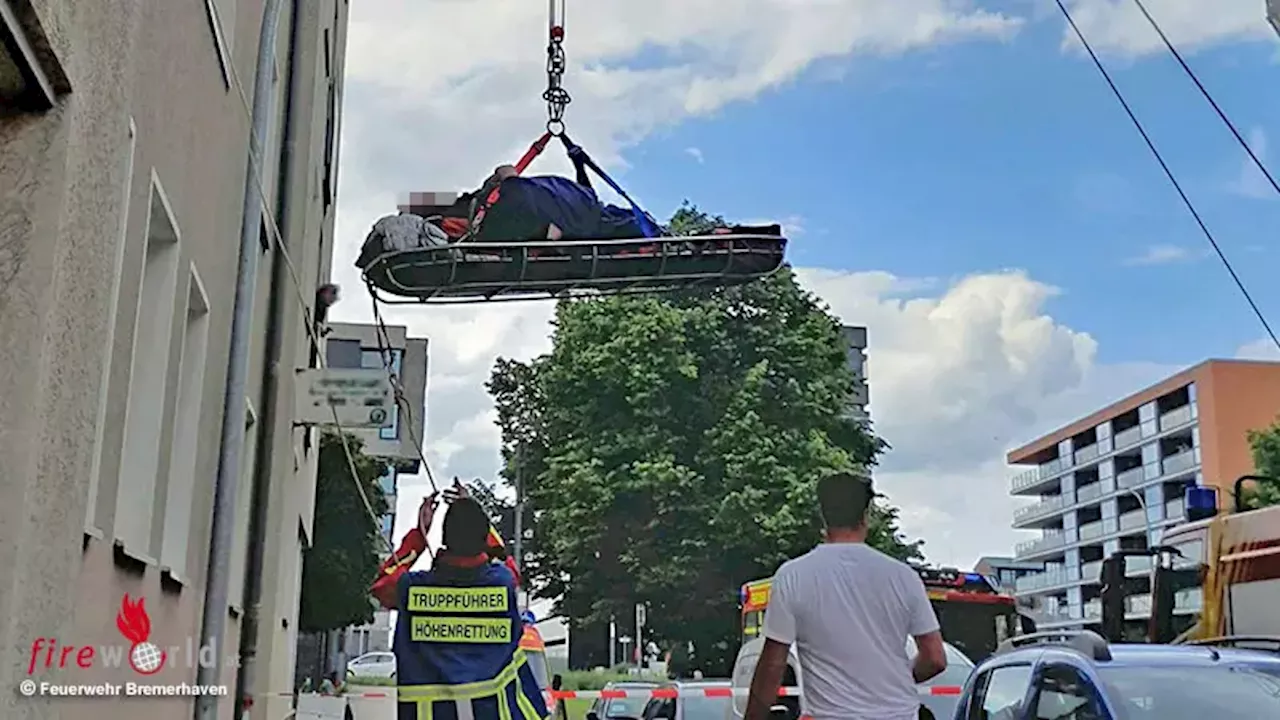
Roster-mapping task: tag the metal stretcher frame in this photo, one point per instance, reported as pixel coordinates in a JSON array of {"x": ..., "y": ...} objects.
[{"x": 516, "y": 283}]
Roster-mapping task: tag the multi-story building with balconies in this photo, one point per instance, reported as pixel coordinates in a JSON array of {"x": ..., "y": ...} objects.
[
  {"x": 855, "y": 340},
  {"x": 1116, "y": 479}
]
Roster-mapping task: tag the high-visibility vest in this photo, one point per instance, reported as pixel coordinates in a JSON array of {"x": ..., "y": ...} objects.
[{"x": 457, "y": 647}]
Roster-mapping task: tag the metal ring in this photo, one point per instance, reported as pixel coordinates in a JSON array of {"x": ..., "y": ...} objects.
[{"x": 555, "y": 127}]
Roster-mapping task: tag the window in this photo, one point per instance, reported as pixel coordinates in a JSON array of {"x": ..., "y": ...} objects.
[
  {"x": 1000, "y": 693},
  {"x": 113, "y": 309},
  {"x": 343, "y": 354},
  {"x": 392, "y": 431},
  {"x": 373, "y": 359},
  {"x": 147, "y": 404},
  {"x": 186, "y": 430},
  {"x": 25, "y": 83},
  {"x": 388, "y": 481},
  {"x": 330, "y": 184},
  {"x": 222, "y": 22},
  {"x": 1062, "y": 694}
]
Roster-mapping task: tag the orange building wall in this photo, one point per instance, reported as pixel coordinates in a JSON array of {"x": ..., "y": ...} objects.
[{"x": 1233, "y": 398}]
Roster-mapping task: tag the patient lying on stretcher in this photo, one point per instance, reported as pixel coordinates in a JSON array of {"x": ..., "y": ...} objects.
[
  {"x": 527, "y": 208},
  {"x": 549, "y": 207}
]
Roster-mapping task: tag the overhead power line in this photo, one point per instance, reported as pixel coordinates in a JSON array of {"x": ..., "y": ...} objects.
[{"x": 1155, "y": 152}]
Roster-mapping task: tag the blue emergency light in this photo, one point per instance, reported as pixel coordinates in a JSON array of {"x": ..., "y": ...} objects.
[{"x": 1202, "y": 502}]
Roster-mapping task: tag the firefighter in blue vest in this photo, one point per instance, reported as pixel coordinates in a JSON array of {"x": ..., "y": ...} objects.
[{"x": 458, "y": 626}]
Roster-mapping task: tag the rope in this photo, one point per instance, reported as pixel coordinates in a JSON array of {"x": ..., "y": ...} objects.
[{"x": 402, "y": 402}]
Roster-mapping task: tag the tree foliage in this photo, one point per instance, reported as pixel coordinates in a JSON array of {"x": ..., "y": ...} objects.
[
  {"x": 345, "y": 549},
  {"x": 671, "y": 446},
  {"x": 1265, "y": 445}
]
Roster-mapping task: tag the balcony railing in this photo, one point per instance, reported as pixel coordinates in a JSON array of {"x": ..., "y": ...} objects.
[
  {"x": 1127, "y": 437},
  {"x": 1044, "y": 507},
  {"x": 1086, "y": 453},
  {"x": 1129, "y": 478},
  {"x": 1175, "y": 510},
  {"x": 1085, "y": 493},
  {"x": 1091, "y": 572},
  {"x": 1176, "y": 417},
  {"x": 1089, "y": 531},
  {"x": 1029, "y": 478},
  {"x": 1093, "y": 609},
  {"x": 1188, "y": 599},
  {"x": 1133, "y": 520},
  {"x": 1047, "y": 579},
  {"x": 1048, "y": 542},
  {"x": 1062, "y": 613},
  {"x": 1184, "y": 460},
  {"x": 1138, "y": 604},
  {"x": 1139, "y": 565}
]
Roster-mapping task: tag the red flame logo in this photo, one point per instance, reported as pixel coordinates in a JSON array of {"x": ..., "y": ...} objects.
[{"x": 135, "y": 625}]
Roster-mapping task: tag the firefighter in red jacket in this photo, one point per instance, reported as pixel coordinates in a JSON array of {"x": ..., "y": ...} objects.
[{"x": 414, "y": 546}]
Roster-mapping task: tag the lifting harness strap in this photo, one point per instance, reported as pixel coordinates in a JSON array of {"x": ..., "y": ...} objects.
[
  {"x": 581, "y": 160},
  {"x": 477, "y": 216}
]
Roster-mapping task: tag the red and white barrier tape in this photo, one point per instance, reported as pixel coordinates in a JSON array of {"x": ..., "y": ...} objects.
[{"x": 654, "y": 693}]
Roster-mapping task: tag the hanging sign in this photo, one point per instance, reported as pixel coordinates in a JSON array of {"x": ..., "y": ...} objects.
[{"x": 362, "y": 398}]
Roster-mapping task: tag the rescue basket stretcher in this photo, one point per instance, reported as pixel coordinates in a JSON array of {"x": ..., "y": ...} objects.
[{"x": 485, "y": 271}]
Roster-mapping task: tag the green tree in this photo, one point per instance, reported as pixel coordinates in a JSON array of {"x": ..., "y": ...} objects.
[
  {"x": 345, "y": 550},
  {"x": 671, "y": 445},
  {"x": 1265, "y": 445}
]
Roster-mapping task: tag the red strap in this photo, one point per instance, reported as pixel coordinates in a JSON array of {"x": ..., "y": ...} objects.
[
  {"x": 529, "y": 156},
  {"x": 532, "y": 153}
]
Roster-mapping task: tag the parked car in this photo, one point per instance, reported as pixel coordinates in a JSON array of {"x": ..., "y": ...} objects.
[
  {"x": 629, "y": 708},
  {"x": 690, "y": 702},
  {"x": 939, "y": 695},
  {"x": 1077, "y": 675},
  {"x": 373, "y": 664}
]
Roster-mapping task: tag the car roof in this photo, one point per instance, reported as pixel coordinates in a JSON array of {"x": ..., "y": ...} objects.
[
  {"x": 699, "y": 683},
  {"x": 613, "y": 684},
  {"x": 1136, "y": 655}
]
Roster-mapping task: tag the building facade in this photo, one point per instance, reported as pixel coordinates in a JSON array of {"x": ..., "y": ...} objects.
[
  {"x": 1116, "y": 479},
  {"x": 855, "y": 340},
  {"x": 349, "y": 345},
  {"x": 124, "y": 152},
  {"x": 1006, "y": 571}
]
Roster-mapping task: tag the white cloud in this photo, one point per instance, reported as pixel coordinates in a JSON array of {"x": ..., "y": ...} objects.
[
  {"x": 1250, "y": 182},
  {"x": 696, "y": 154},
  {"x": 1261, "y": 349},
  {"x": 1160, "y": 255},
  {"x": 1118, "y": 27}
]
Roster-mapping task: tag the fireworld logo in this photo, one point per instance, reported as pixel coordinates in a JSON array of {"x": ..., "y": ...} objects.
[{"x": 144, "y": 656}]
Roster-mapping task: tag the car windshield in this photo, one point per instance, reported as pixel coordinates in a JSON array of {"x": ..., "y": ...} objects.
[
  {"x": 624, "y": 708},
  {"x": 1194, "y": 692},
  {"x": 704, "y": 708}
]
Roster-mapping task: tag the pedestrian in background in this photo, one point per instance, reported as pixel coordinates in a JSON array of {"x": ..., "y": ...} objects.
[{"x": 848, "y": 609}]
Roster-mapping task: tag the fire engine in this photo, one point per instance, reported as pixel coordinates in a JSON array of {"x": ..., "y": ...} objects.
[
  {"x": 974, "y": 614},
  {"x": 1215, "y": 576}
]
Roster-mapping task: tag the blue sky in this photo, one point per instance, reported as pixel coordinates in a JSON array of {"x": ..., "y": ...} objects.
[
  {"x": 981, "y": 156},
  {"x": 948, "y": 165}
]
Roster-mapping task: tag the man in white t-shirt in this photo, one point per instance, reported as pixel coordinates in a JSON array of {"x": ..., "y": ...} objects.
[{"x": 848, "y": 609}]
